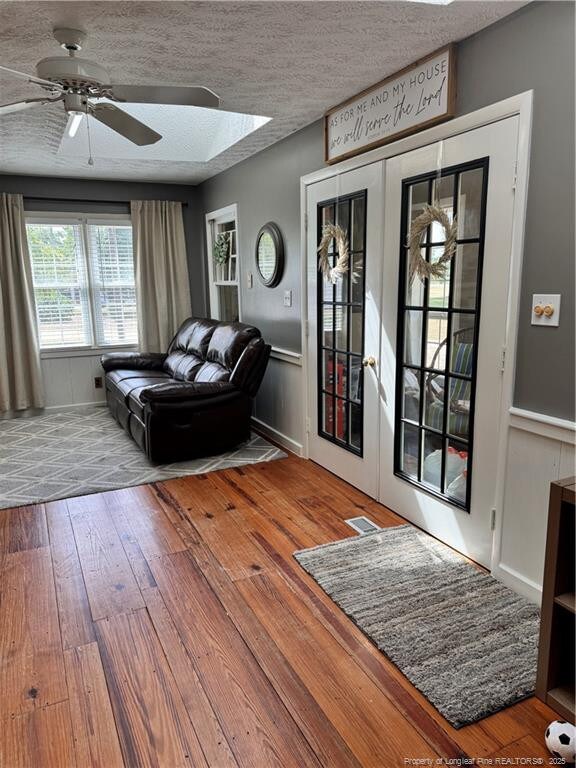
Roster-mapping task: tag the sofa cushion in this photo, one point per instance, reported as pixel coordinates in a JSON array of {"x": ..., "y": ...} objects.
[
  {"x": 122, "y": 387},
  {"x": 182, "y": 366},
  {"x": 212, "y": 372},
  {"x": 188, "y": 349},
  {"x": 228, "y": 342},
  {"x": 116, "y": 377}
]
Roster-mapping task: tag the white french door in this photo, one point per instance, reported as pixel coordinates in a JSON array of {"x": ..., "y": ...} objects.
[
  {"x": 405, "y": 379},
  {"x": 344, "y": 328},
  {"x": 443, "y": 340}
]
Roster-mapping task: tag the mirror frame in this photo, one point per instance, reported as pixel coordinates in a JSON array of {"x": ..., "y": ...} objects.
[{"x": 271, "y": 229}]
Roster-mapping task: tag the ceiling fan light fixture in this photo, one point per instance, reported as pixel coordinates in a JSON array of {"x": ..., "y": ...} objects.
[{"x": 74, "y": 120}]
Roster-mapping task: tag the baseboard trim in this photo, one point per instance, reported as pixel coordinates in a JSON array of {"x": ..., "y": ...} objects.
[
  {"x": 72, "y": 406},
  {"x": 519, "y": 583},
  {"x": 27, "y": 413},
  {"x": 30, "y": 412},
  {"x": 278, "y": 437}
]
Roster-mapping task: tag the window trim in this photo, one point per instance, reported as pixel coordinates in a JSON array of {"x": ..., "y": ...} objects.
[
  {"x": 84, "y": 219},
  {"x": 212, "y": 219}
]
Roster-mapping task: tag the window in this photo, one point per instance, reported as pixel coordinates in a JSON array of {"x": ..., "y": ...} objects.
[
  {"x": 223, "y": 275},
  {"x": 83, "y": 277},
  {"x": 438, "y": 325}
]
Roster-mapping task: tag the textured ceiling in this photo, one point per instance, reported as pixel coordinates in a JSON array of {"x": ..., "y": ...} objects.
[
  {"x": 287, "y": 60},
  {"x": 190, "y": 133}
]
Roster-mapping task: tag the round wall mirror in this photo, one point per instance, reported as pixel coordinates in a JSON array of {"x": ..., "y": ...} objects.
[{"x": 270, "y": 255}]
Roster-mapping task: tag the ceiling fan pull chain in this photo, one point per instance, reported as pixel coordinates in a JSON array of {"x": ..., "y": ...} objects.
[{"x": 90, "y": 158}]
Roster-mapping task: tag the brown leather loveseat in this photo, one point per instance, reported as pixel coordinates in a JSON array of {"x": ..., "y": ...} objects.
[{"x": 195, "y": 400}]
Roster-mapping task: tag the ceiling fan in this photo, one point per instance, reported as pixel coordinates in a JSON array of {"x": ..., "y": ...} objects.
[{"x": 76, "y": 82}]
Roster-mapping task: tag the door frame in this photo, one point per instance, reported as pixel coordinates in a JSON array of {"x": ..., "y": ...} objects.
[{"x": 520, "y": 105}]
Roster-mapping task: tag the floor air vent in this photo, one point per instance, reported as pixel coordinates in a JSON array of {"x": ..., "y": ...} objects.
[{"x": 362, "y": 524}]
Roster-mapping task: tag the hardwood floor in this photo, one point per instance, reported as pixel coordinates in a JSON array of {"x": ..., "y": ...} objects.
[{"x": 169, "y": 625}]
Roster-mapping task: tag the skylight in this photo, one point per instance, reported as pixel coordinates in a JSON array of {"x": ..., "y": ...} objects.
[{"x": 189, "y": 134}]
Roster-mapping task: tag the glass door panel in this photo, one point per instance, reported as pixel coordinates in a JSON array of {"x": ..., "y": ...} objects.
[
  {"x": 438, "y": 329},
  {"x": 341, "y": 317}
]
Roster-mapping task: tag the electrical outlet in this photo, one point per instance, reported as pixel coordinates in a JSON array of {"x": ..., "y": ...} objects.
[{"x": 97, "y": 382}]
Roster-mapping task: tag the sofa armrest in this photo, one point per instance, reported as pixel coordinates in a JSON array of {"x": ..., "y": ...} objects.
[
  {"x": 138, "y": 361},
  {"x": 250, "y": 368},
  {"x": 186, "y": 391}
]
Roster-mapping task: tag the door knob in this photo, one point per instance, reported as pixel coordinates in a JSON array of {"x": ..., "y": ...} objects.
[{"x": 370, "y": 360}]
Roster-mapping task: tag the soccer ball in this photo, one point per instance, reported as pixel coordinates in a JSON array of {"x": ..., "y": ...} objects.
[{"x": 561, "y": 740}]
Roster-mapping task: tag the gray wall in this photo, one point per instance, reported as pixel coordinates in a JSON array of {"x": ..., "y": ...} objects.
[
  {"x": 94, "y": 196},
  {"x": 266, "y": 187},
  {"x": 534, "y": 49},
  {"x": 531, "y": 49}
]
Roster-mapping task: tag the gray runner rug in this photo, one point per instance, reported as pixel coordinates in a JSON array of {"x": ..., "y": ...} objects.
[
  {"x": 466, "y": 641},
  {"x": 82, "y": 451}
]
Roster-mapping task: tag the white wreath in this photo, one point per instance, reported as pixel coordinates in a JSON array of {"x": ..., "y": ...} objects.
[
  {"x": 334, "y": 232},
  {"x": 418, "y": 265}
]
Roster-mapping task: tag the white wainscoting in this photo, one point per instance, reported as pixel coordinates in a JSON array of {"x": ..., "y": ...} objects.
[
  {"x": 540, "y": 450},
  {"x": 278, "y": 408},
  {"x": 69, "y": 381}
]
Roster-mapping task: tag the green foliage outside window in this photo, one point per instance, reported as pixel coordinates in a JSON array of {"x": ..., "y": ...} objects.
[{"x": 53, "y": 256}]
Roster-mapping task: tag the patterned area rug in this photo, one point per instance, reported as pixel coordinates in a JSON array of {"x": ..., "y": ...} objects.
[
  {"x": 466, "y": 641},
  {"x": 76, "y": 452}
]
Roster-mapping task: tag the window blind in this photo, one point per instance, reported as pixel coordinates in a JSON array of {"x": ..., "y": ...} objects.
[
  {"x": 114, "y": 294},
  {"x": 60, "y": 285},
  {"x": 83, "y": 276}
]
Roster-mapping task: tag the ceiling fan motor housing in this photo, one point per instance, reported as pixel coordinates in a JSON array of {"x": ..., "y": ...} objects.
[{"x": 72, "y": 72}]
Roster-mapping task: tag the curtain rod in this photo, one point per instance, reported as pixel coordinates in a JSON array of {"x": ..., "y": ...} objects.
[{"x": 82, "y": 200}]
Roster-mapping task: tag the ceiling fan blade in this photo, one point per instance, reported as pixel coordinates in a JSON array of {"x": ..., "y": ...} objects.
[
  {"x": 191, "y": 96},
  {"x": 17, "y": 106},
  {"x": 124, "y": 124},
  {"x": 32, "y": 78}
]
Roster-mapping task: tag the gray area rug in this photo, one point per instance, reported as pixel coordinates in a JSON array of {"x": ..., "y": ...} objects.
[
  {"x": 466, "y": 641},
  {"x": 82, "y": 451}
]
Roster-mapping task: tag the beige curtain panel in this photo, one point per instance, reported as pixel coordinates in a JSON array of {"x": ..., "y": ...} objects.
[
  {"x": 20, "y": 373},
  {"x": 162, "y": 287}
]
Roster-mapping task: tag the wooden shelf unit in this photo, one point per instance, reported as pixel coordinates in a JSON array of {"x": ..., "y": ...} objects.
[
  {"x": 555, "y": 679},
  {"x": 567, "y": 600}
]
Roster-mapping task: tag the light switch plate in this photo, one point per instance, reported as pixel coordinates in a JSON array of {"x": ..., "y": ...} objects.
[
  {"x": 249, "y": 279},
  {"x": 287, "y": 298},
  {"x": 543, "y": 300}
]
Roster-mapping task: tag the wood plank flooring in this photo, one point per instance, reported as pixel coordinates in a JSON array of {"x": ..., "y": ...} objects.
[{"x": 169, "y": 625}]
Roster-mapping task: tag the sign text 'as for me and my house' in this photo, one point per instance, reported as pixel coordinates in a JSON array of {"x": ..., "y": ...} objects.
[{"x": 419, "y": 96}]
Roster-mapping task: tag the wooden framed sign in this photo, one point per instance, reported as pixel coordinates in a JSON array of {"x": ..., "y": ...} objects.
[{"x": 417, "y": 97}]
